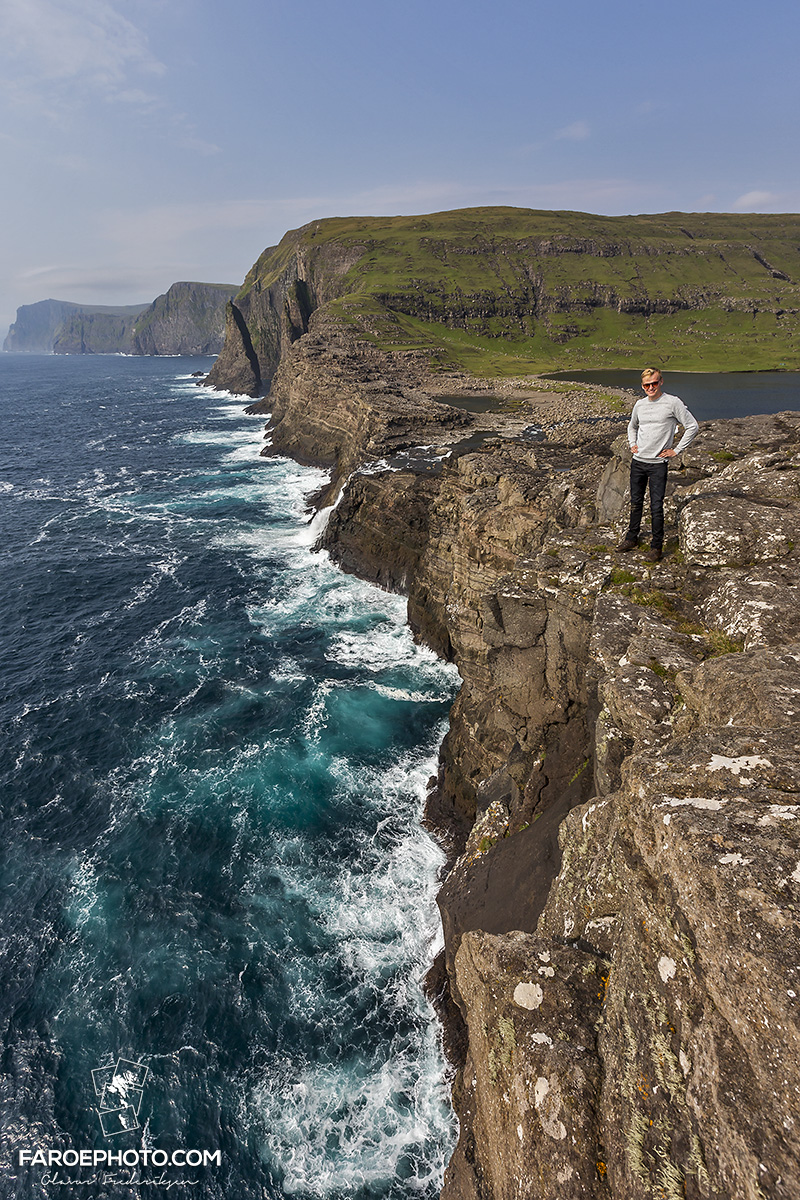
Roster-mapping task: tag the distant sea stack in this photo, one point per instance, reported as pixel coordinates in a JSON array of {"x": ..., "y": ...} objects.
[
  {"x": 187, "y": 319},
  {"x": 507, "y": 290}
]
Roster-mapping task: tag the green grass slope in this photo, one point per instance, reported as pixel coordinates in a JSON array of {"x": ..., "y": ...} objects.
[{"x": 513, "y": 291}]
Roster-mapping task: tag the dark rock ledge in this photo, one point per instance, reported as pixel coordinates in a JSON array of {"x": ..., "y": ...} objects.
[{"x": 620, "y": 786}]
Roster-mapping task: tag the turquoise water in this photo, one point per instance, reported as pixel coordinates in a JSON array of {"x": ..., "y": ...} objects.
[{"x": 216, "y": 749}]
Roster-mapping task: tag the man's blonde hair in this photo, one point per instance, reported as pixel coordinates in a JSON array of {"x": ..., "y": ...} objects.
[{"x": 648, "y": 371}]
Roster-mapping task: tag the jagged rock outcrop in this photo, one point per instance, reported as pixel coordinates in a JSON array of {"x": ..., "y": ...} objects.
[
  {"x": 237, "y": 365},
  {"x": 274, "y": 306}
]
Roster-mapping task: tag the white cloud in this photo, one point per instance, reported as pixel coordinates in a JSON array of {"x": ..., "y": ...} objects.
[
  {"x": 61, "y": 54},
  {"x": 578, "y": 131},
  {"x": 49, "y": 42},
  {"x": 755, "y": 201},
  {"x": 68, "y": 282}
]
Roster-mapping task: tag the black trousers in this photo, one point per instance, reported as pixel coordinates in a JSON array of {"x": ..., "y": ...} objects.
[{"x": 654, "y": 476}]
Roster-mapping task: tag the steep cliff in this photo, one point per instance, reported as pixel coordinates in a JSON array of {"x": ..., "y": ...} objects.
[
  {"x": 82, "y": 331},
  {"x": 272, "y": 309},
  {"x": 187, "y": 319},
  {"x": 619, "y": 785},
  {"x": 42, "y": 327},
  {"x": 503, "y": 291},
  {"x": 631, "y": 1001}
]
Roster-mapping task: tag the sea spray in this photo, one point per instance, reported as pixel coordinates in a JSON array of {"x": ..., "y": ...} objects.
[{"x": 218, "y": 751}]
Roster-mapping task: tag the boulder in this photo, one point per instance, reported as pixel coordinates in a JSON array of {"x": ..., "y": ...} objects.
[{"x": 721, "y": 530}]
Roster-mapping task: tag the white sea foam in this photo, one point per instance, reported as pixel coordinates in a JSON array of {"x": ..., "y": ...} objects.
[
  {"x": 332, "y": 1124},
  {"x": 287, "y": 671},
  {"x": 335, "y": 1130},
  {"x": 334, "y": 1127},
  {"x": 243, "y": 454},
  {"x": 393, "y": 693},
  {"x": 235, "y": 412},
  {"x": 239, "y": 398},
  {"x": 250, "y": 490},
  {"x": 379, "y": 648},
  {"x": 84, "y": 893},
  {"x": 213, "y": 437}
]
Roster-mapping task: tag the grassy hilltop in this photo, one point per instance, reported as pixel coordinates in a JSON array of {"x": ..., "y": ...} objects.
[{"x": 512, "y": 291}]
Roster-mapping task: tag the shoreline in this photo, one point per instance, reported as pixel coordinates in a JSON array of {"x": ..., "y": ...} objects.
[{"x": 506, "y": 558}]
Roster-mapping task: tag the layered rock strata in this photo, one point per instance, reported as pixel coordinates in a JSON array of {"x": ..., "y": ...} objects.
[{"x": 620, "y": 785}]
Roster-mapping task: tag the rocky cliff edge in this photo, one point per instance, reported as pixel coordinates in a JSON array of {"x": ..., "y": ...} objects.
[{"x": 620, "y": 786}]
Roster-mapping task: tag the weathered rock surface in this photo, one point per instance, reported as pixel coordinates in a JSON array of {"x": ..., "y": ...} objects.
[
  {"x": 530, "y": 1083},
  {"x": 674, "y": 1073},
  {"x": 188, "y": 319},
  {"x": 620, "y": 784}
]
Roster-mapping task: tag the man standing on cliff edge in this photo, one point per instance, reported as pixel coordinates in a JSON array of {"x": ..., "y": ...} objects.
[{"x": 651, "y": 432}]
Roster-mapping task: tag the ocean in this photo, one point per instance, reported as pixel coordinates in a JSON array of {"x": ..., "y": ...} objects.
[{"x": 218, "y": 902}]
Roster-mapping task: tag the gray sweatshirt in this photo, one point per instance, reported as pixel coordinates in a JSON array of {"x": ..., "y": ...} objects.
[{"x": 653, "y": 423}]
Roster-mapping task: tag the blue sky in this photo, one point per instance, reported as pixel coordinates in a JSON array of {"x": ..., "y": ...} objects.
[{"x": 155, "y": 140}]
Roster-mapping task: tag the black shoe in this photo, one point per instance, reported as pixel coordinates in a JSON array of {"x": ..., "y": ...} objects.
[{"x": 627, "y": 545}]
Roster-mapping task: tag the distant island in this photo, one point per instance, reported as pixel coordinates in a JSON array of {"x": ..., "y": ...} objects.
[{"x": 187, "y": 319}]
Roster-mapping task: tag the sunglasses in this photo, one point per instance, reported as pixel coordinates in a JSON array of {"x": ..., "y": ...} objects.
[{"x": 652, "y": 383}]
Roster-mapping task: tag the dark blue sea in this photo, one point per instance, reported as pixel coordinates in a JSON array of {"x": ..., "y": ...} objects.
[{"x": 217, "y": 899}]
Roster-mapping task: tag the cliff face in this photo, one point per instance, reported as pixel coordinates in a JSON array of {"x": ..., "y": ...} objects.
[
  {"x": 84, "y": 332},
  {"x": 523, "y": 290},
  {"x": 619, "y": 787},
  {"x": 57, "y": 326},
  {"x": 188, "y": 319},
  {"x": 337, "y": 401},
  {"x": 633, "y": 1035},
  {"x": 272, "y": 309}
]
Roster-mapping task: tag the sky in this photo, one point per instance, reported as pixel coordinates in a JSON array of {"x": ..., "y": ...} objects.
[{"x": 153, "y": 141}]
